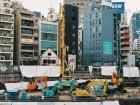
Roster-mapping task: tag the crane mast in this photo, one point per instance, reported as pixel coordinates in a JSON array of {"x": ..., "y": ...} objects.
[{"x": 61, "y": 41}]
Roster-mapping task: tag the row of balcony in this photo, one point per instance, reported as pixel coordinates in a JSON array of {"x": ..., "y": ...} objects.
[
  {"x": 6, "y": 35},
  {"x": 6, "y": 12},
  {"x": 125, "y": 37},
  {"x": 29, "y": 42},
  {"x": 125, "y": 43},
  {"x": 6, "y": 20},
  {"x": 5, "y": 57},
  {"x": 124, "y": 60},
  {"x": 5, "y": 26},
  {"x": 124, "y": 31},
  {"x": 6, "y": 41},
  {"x": 4, "y": 49},
  {"x": 125, "y": 48}
]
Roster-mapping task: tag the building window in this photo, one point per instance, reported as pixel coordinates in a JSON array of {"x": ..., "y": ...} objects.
[
  {"x": 49, "y": 54},
  {"x": 53, "y": 61},
  {"x": 73, "y": 43},
  {"x": 73, "y": 27},
  {"x": 99, "y": 21},
  {"x": 74, "y": 14},
  {"x": 73, "y": 35},
  {"x": 73, "y": 51}
]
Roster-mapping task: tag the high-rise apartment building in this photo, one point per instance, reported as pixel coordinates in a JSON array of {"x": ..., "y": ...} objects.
[
  {"x": 100, "y": 38},
  {"x": 26, "y": 36},
  {"x": 124, "y": 43},
  {"x": 6, "y": 33},
  {"x": 125, "y": 39},
  {"x": 135, "y": 25}
]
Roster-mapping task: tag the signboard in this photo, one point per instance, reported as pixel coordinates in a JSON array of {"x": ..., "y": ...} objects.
[
  {"x": 107, "y": 3},
  {"x": 72, "y": 62},
  {"x": 119, "y": 6},
  {"x": 27, "y": 40},
  {"x": 107, "y": 47}
]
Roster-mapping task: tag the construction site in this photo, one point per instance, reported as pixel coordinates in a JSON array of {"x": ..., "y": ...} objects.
[{"x": 67, "y": 82}]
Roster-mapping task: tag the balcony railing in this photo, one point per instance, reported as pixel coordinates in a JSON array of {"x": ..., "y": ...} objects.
[
  {"x": 125, "y": 43},
  {"x": 6, "y": 12}
]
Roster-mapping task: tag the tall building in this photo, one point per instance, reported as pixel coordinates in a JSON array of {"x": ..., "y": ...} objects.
[
  {"x": 135, "y": 25},
  {"x": 81, "y": 4},
  {"x": 48, "y": 32},
  {"x": 136, "y": 44},
  {"x": 48, "y": 37},
  {"x": 124, "y": 39},
  {"x": 6, "y": 33},
  {"x": 52, "y": 15},
  {"x": 71, "y": 30},
  {"x": 80, "y": 43},
  {"x": 100, "y": 39},
  {"x": 26, "y": 36},
  {"x": 137, "y": 57},
  {"x": 125, "y": 43}
]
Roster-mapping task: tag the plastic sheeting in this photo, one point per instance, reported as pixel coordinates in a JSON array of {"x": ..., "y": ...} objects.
[
  {"x": 24, "y": 103},
  {"x": 16, "y": 86},
  {"x": 51, "y": 83},
  {"x": 131, "y": 72},
  {"x": 108, "y": 70},
  {"x": 77, "y": 103},
  {"x": 28, "y": 71},
  {"x": 62, "y": 103},
  {"x": 36, "y": 71}
]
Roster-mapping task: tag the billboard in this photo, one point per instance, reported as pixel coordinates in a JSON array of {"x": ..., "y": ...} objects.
[
  {"x": 119, "y": 6},
  {"x": 107, "y": 3},
  {"x": 107, "y": 47}
]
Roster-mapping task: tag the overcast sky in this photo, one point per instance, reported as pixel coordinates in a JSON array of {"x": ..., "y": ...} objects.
[{"x": 43, "y": 5}]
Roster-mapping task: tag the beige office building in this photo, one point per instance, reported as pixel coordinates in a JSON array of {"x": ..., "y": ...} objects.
[{"x": 26, "y": 36}]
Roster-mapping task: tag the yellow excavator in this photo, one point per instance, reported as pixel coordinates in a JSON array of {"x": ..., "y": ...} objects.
[{"x": 99, "y": 87}]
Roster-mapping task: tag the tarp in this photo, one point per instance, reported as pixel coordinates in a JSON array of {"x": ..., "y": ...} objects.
[
  {"x": 108, "y": 70},
  {"x": 131, "y": 72},
  {"x": 81, "y": 81},
  {"x": 111, "y": 102},
  {"x": 28, "y": 71},
  {"x": 36, "y": 71},
  {"x": 16, "y": 86}
]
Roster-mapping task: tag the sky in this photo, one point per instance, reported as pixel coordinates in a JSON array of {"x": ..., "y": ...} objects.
[{"x": 43, "y": 5}]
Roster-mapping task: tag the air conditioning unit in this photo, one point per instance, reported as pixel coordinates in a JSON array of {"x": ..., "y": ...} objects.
[{"x": 3, "y": 68}]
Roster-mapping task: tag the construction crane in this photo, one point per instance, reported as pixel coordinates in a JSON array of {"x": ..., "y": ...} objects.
[
  {"x": 63, "y": 54},
  {"x": 61, "y": 43}
]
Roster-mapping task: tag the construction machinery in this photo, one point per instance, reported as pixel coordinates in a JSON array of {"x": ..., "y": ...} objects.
[
  {"x": 60, "y": 87},
  {"x": 40, "y": 83},
  {"x": 99, "y": 87}
]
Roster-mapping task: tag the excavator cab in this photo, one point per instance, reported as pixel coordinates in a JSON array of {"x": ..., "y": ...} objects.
[{"x": 39, "y": 84}]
